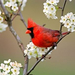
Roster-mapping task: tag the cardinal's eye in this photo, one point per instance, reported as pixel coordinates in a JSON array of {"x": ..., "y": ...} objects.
[{"x": 30, "y": 28}]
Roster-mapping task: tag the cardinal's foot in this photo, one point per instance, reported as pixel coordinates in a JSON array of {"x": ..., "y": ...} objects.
[{"x": 55, "y": 45}]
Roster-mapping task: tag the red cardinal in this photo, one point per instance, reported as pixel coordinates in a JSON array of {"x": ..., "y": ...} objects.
[{"x": 42, "y": 37}]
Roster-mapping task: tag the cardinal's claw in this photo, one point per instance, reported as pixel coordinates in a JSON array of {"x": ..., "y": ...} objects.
[{"x": 55, "y": 45}]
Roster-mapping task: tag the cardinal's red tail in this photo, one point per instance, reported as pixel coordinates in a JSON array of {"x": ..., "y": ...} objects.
[{"x": 65, "y": 33}]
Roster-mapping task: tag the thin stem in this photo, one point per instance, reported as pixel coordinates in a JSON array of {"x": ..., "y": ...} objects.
[
  {"x": 22, "y": 19},
  {"x": 17, "y": 12},
  {"x": 62, "y": 15}
]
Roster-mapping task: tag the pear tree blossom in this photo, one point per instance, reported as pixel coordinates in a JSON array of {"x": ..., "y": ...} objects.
[
  {"x": 50, "y": 8},
  {"x": 23, "y": 4},
  {"x": 14, "y": 7},
  {"x": 69, "y": 21},
  {"x": 7, "y": 4},
  {"x": 3, "y": 27},
  {"x": 10, "y": 68},
  {"x": 15, "y": 71},
  {"x": 14, "y": 4},
  {"x": 34, "y": 51}
]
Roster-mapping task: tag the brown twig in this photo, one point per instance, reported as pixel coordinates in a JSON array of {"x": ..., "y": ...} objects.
[
  {"x": 22, "y": 19},
  {"x": 62, "y": 15},
  {"x": 17, "y": 12}
]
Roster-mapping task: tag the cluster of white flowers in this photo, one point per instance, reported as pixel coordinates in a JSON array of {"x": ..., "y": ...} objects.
[
  {"x": 50, "y": 8},
  {"x": 69, "y": 21},
  {"x": 13, "y": 5},
  {"x": 10, "y": 68},
  {"x": 2, "y": 25},
  {"x": 34, "y": 51}
]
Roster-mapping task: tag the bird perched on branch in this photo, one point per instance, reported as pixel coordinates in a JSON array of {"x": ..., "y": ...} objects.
[{"x": 41, "y": 36}]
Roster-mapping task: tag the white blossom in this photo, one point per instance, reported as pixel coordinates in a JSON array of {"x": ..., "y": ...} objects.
[
  {"x": 23, "y": 4},
  {"x": 67, "y": 24},
  {"x": 71, "y": 28},
  {"x": 15, "y": 71},
  {"x": 12, "y": 2},
  {"x": 30, "y": 53},
  {"x": 15, "y": 64},
  {"x": 3, "y": 27},
  {"x": 42, "y": 51},
  {"x": 7, "y": 69},
  {"x": 63, "y": 19},
  {"x": 25, "y": 52},
  {"x": 8, "y": 4},
  {"x": 2, "y": 66},
  {"x": 52, "y": 9},
  {"x": 51, "y": 15},
  {"x": 7, "y": 61},
  {"x": 46, "y": 8},
  {"x": 14, "y": 7},
  {"x": 73, "y": 20},
  {"x": 53, "y": 2}
]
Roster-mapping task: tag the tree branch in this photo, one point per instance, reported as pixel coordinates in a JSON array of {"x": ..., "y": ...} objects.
[
  {"x": 25, "y": 66},
  {"x": 26, "y": 58},
  {"x": 11, "y": 28},
  {"x": 9, "y": 21}
]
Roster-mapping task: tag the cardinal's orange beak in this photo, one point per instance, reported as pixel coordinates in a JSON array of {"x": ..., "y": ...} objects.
[{"x": 28, "y": 32}]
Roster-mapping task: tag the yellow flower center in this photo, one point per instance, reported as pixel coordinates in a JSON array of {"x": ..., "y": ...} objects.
[
  {"x": 30, "y": 53},
  {"x": 67, "y": 24},
  {"x": 35, "y": 52},
  {"x": 51, "y": 8},
  {"x": 50, "y": 14},
  {"x": 14, "y": 70}
]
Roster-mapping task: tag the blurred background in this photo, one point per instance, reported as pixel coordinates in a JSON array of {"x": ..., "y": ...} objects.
[{"x": 62, "y": 60}]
